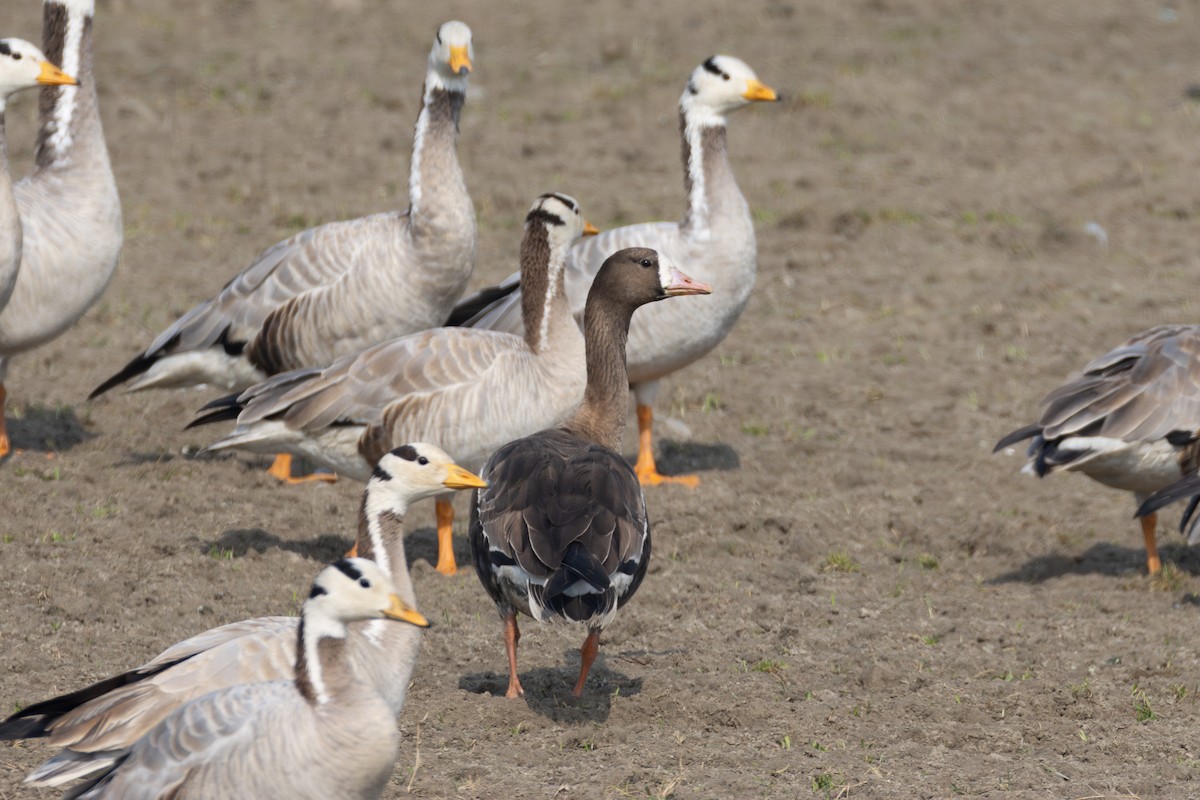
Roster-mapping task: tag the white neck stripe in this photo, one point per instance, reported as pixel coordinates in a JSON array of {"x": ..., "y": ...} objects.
[
  {"x": 696, "y": 120},
  {"x": 558, "y": 258},
  {"x": 77, "y": 14}
]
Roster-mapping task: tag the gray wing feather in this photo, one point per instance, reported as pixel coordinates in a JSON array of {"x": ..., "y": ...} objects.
[
  {"x": 245, "y": 652},
  {"x": 284, "y": 272},
  {"x": 1140, "y": 391},
  {"x": 361, "y": 388}
]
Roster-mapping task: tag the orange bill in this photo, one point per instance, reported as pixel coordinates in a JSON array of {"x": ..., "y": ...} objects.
[
  {"x": 757, "y": 90},
  {"x": 460, "y": 62},
  {"x": 53, "y": 76},
  {"x": 459, "y": 478},
  {"x": 399, "y": 610}
]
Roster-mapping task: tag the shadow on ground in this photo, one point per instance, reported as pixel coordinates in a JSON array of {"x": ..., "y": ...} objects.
[
  {"x": 45, "y": 430},
  {"x": 422, "y": 545},
  {"x": 237, "y": 542},
  {"x": 548, "y": 689},
  {"x": 1104, "y": 558},
  {"x": 680, "y": 458}
]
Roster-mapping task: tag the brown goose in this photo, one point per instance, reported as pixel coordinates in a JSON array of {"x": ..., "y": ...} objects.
[
  {"x": 472, "y": 390},
  {"x": 70, "y": 210},
  {"x": 1127, "y": 421},
  {"x": 561, "y": 530},
  {"x": 324, "y": 733}
]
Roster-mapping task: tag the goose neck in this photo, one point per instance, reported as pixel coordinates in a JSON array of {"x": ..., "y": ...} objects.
[
  {"x": 544, "y": 306},
  {"x": 434, "y": 173},
  {"x": 601, "y": 417},
  {"x": 707, "y": 177},
  {"x": 5, "y": 178},
  {"x": 70, "y": 128},
  {"x": 320, "y": 656},
  {"x": 381, "y": 539}
]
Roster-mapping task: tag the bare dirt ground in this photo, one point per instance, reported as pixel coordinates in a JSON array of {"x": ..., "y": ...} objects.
[{"x": 859, "y": 601}]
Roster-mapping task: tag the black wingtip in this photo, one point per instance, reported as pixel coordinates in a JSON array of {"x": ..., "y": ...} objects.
[
  {"x": 31, "y": 722},
  {"x": 1164, "y": 497},
  {"x": 468, "y": 309},
  {"x": 1019, "y": 435},
  {"x": 1185, "y": 521},
  {"x": 134, "y": 368},
  {"x": 219, "y": 410}
]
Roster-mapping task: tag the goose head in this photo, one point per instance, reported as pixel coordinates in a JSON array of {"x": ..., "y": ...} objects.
[
  {"x": 355, "y": 589},
  {"x": 562, "y": 219},
  {"x": 23, "y": 66},
  {"x": 453, "y": 56},
  {"x": 723, "y": 84},
  {"x": 638, "y": 275},
  {"x": 414, "y": 472}
]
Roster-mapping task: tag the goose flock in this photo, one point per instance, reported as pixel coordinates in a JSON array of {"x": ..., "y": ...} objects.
[{"x": 352, "y": 345}]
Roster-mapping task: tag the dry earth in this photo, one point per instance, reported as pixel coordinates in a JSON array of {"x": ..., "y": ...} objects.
[{"x": 859, "y": 601}]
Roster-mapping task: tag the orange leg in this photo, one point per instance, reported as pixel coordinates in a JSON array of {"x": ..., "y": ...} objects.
[
  {"x": 352, "y": 552},
  {"x": 281, "y": 469},
  {"x": 512, "y": 635},
  {"x": 445, "y": 524},
  {"x": 647, "y": 470},
  {"x": 587, "y": 654},
  {"x": 5, "y": 447},
  {"x": 1149, "y": 522}
]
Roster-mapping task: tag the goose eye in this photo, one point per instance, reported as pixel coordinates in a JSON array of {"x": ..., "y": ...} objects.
[
  {"x": 726, "y": 76},
  {"x": 422, "y": 461},
  {"x": 363, "y": 582},
  {"x": 647, "y": 262},
  {"x": 17, "y": 56}
]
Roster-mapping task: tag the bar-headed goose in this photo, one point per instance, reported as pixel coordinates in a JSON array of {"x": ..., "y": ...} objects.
[
  {"x": 22, "y": 66},
  {"x": 95, "y": 724},
  {"x": 325, "y": 732},
  {"x": 70, "y": 211},
  {"x": 715, "y": 239},
  {"x": 338, "y": 288},
  {"x": 472, "y": 390},
  {"x": 1128, "y": 421},
  {"x": 561, "y": 531}
]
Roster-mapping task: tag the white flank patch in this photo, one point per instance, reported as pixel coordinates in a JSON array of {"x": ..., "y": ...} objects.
[
  {"x": 77, "y": 12},
  {"x": 1093, "y": 444},
  {"x": 212, "y": 366}
]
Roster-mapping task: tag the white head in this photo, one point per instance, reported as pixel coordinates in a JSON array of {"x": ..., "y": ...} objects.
[
  {"x": 23, "y": 66},
  {"x": 452, "y": 57},
  {"x": 723, "y": 84},
  {"x": 414, "y": 472},
  {"x": 354, "y": 589},
  {"x": 562, "y": 217}
]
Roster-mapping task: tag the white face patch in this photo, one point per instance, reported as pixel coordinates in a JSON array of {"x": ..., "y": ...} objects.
[{"x": 665, "y": 268}]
